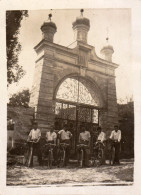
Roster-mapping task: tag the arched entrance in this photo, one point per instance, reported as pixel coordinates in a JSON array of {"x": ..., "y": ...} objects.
[{"x": 77, "y": 103}]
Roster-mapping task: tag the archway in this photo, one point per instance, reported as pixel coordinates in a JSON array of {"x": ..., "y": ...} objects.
[{"x": 77, "y": 103}]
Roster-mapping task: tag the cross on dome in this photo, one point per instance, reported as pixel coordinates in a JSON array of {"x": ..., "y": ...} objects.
[
  {"x": 82, "y": 10},
  {"x": 49, "y": 17},
  {"x": 107, "y": 38}
]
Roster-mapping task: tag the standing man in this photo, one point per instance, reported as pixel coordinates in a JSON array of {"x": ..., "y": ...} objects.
[
  {"x": 84, "y": 138},
  {"x": 65, "y": 137},
  {"x": 116, "y": 137},
  {"x": 35, "y": 135}
]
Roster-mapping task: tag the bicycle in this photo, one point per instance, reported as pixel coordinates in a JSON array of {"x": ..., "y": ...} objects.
[
  {"x": 112, "y": 157},
  {"x": 50, "y": 154},
  {"x": 99, "y": 147},
  {"x": 62, "y": 159},
  {"x": 30, "y": 153},
  {"x": 81, "y": 160}
]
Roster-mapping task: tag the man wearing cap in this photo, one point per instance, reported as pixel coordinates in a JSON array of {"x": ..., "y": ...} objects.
[
  {"x": 65, "y": 137},
  {"x": 35, "y": 135},
  {"x": 116, "y": 137}
]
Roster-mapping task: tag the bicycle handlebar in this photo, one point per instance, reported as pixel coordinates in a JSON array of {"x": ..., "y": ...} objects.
[
  {"x": 50, "y": 144},
  {"x": 32, "y": 141},
  {"x": 98, "y": 142},
  {"x": 114, "y": 141},
  {"x": 82, "y": 145},
  {"x": 64, "y": 144}
]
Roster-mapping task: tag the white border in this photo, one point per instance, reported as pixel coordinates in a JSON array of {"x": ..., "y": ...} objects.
[{"x": 135, "y": 6}]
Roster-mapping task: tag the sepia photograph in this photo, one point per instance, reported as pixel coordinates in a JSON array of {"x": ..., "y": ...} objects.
[{"x": 70, "y": 104}]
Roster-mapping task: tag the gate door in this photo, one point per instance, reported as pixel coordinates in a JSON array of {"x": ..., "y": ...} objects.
[
  {"x": 74, "y": 116},
  {"x": 76, "y": 105}
]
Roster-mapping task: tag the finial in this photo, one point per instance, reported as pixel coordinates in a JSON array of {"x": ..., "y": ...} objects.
[
  {"x": 82, "y": 10},
  {"x": 107, "y": 38},
  {"x": 49, "y": 17}
]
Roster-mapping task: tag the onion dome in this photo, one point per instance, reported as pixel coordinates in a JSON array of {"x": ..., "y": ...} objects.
[
  {"x": 48, "y": 29},
  {"x": 81, "y": 21},
  {"x": 107, "y": 51},
  {"x": 81, "y": 27}
]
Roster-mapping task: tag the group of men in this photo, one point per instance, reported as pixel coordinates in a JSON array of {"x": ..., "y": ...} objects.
[{"x": 65, "y": 136}]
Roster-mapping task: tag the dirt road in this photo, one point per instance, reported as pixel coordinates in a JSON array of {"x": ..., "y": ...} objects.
[{"x": 119, "y": 174}]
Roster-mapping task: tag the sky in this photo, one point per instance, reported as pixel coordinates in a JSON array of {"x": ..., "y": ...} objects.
[{"x": 116, "y": 23}]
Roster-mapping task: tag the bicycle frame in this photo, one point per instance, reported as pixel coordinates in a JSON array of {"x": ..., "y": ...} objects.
[
  {"x": 82, "y": 147},
  {"x": 112, "y": 152},
  {"x": 30, "y": 153},
  {"x": 63, "y": 147},
  {"x": 50, "y": 155},
  {"x": 100, "y": 153}
]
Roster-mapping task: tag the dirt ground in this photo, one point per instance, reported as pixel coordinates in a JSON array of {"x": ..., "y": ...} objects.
[{"x": 106, "y": 174}]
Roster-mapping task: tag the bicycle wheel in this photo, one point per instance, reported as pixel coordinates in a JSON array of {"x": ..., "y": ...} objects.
[
  {"x": 81, "y": 158},
  {"x": 50, "y": 159},
  {"x": 30, "y": 157},
  {"x": 100, "y": 157},
  {"x": 112, "y": 156},
  {"x": 62, "y": 158},
  {"x": 25, "y": 159}
]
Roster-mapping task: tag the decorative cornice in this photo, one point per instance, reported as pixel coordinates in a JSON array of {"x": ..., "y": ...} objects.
[
  {"x": 75, "y": 52},
  {"x": 55, "y": 46}
]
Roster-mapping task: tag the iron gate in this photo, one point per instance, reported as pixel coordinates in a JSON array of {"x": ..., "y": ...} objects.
[{"x": 75, "y": 115}]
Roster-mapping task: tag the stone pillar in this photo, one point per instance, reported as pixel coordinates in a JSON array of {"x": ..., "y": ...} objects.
[
  {"x": 103, "y": 119},
  {"x": 45, "y": 110},
  {"x": 42, "y": 90},
  {"x": 42, "y": 94},
  {"x": 112, "y": 114}
]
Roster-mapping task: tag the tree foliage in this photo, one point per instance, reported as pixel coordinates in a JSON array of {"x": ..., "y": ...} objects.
[
  {"x": 126, "y": 121},
  {"x": 20, "y": 99},
  {"x": 13, "y": 47},
  {"x": 126, "y": 111}
]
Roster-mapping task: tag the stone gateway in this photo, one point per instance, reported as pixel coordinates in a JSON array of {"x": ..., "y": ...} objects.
[{"x": 72, "y": 84}]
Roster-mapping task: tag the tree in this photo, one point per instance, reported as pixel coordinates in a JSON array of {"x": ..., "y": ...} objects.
[
  {"x": 20, "y": 99},
  {"x": 126, "y": 111},
  {"x": 13, "y": 47},
  {"x": 126, "y": 121}
]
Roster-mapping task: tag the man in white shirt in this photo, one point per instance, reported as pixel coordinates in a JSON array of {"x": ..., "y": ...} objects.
[
  {"x": 51, "y": 136},
  {"x": 84, "y": 138},
  {"x": 65, "y": 137},
  {"x": 101, "y": 136},
  {"x": 35, "y": 135},
  {"x": 116, "y": 137}
]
